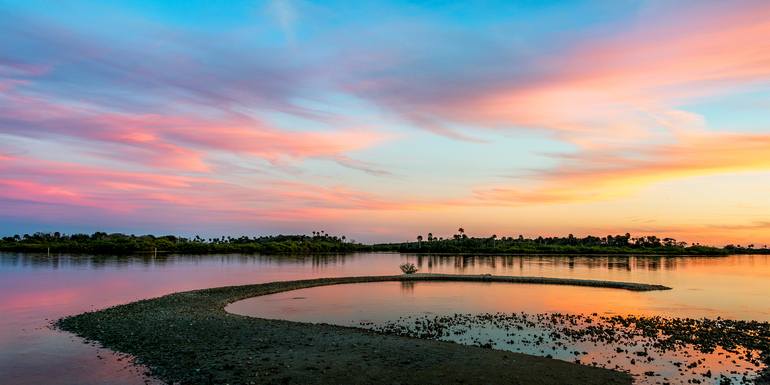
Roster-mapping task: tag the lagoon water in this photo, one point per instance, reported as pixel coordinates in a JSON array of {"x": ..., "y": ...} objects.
[{"x": 36, "y": 289}]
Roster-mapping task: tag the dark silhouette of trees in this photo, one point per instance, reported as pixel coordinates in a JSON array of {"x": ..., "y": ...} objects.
[
  {"x": 609, "y": 244},
  {"x": 322, "y": 242},
  {"x": 100, "y": 242}
]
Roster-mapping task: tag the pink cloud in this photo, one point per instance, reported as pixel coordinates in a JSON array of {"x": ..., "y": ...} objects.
[
  {"x": 616, "y": 100},
  {"x": 26, "y": 190},
  {"x": 65, "y": 188},
  {"x": 175, "y": 141},
  {"x": 15, "y": 69},
  {"x": 595, "y": 93}
]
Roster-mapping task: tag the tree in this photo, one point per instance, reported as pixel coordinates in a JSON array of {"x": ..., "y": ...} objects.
[
  {"x": 419, "y": 241},
  {"x": 430, "y": 237},
  {"x": 408, "y": 268}
]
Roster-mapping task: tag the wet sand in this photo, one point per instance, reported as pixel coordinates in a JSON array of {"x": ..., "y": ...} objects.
[{"x": 188, "y": 338}]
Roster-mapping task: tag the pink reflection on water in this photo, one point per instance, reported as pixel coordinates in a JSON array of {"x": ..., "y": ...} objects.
[
  {"x": 36, "y": 289},
  {"x": 387, "y": 304}
]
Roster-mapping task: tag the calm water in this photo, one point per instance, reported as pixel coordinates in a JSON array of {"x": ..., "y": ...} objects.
[
  {"x": 37, "y": 289},
  {"x": 475, "y": 313}
]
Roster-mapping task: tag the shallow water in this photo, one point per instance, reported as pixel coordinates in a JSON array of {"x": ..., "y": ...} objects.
[
  {"x": 516, "y": 317},
  {"x": 35, "y": 289}
]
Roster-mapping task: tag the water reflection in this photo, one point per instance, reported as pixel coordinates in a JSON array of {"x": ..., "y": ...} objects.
[
  {"x": 579, "y": 324},
  {"x": 457, "y": 263},
  {"x": 55, "y": 261},
  {"x": 407, "y": 287},
  {"x": 36, "y": 288},
  {"x": 463, "y": 263}
]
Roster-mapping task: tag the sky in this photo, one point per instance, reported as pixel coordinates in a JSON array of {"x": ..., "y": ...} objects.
[{"x": 385, "y": 120}]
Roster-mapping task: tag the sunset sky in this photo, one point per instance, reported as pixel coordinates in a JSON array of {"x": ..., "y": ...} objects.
[{"x": 384, "y": 120}]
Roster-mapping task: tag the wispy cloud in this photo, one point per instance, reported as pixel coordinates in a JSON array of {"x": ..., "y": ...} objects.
[
  {"x": 759, "y": 225},
  {"x": 596, "y": 175},
  {"x": 172, "y": 141},
  {"x": 367, "y": 167},
  {"x": 285, "y": 13},
  {"x": 38, "y": 185}
]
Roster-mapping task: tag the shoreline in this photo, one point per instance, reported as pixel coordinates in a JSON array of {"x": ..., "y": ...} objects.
[
  {"x": 188, "y": 337},
  {"x": 408, "y": 253},
  {"x": 633, "y": 286}
]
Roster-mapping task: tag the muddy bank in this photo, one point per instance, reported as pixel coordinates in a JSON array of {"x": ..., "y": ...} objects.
[
  {"x": 188, "y": 338},
  {"x": 531, "y": 280}
]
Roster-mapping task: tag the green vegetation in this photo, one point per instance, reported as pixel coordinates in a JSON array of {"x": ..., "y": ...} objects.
[{"x": 321, "y": 242}]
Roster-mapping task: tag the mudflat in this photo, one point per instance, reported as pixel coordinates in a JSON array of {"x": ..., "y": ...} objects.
[{"x": 189, "y": 338}]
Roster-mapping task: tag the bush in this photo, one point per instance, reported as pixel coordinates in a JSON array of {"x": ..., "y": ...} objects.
[{"x": 408, "y": 268}]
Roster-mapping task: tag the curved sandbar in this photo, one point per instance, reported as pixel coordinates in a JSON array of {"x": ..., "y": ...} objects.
[
  {"x": 188, "y": 338},
  {"x": 522, "y": 279}
]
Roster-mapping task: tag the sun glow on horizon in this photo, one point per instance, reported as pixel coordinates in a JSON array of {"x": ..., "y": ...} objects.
[{"x": 383, "y": 121}]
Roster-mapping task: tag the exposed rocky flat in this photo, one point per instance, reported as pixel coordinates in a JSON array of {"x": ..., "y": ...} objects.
[{"x": 188, "y": 338}]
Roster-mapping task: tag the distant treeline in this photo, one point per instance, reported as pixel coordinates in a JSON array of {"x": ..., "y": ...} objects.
[
  {"x": 320, "y": 242},
  {"x": 610, "y": 244},
  {"x": 116, "y": 243}
]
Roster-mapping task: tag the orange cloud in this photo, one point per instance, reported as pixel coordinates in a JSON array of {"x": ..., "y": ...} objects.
[
  {"x": 595, "y": 175},
  {"x": 615, "y": 100}
]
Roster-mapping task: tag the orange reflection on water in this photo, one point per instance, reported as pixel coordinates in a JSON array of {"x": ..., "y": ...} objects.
[
  {"x": 380, "y": 301},
  {"x": 35, "y": 289},
  {"x": 403, "y": 303}
]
